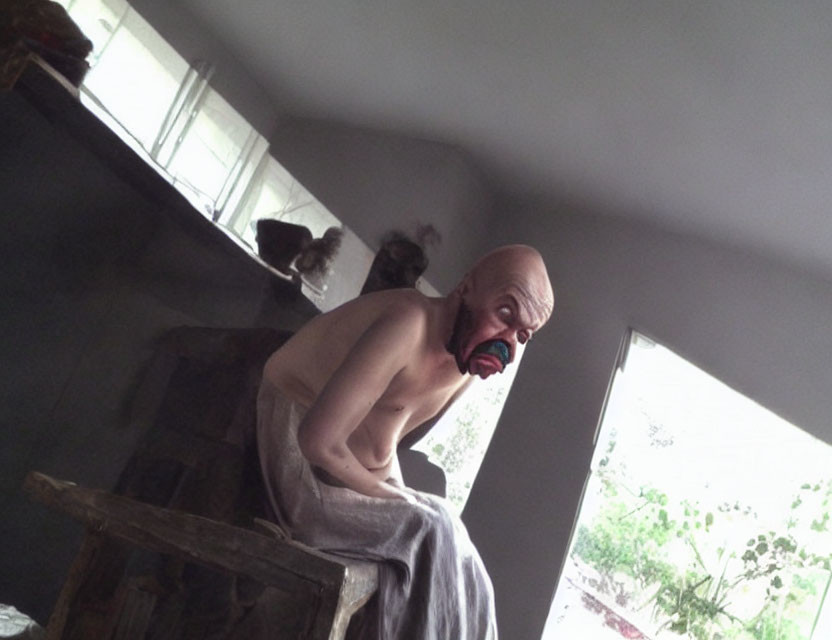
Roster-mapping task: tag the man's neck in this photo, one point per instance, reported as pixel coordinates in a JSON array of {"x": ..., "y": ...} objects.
[{"x": 445, "y": 311}]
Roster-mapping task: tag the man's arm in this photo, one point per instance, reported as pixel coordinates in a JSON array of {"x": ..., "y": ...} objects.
[{"x": 355, "y": 387}]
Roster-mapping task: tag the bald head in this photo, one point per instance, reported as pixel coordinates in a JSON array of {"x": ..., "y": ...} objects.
[
  {"x": 519, "y": 269},
  {"x": 500, "y": 303}
]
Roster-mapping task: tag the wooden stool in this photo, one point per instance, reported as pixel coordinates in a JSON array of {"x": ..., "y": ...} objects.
[
  {"x": 172, "y": 552},
  {"x": 331, "y": 588}
]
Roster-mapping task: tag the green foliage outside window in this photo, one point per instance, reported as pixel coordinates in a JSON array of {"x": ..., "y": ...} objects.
[
  {"x": 459, "y": 452},
  {"x": 660, "y": 553}
]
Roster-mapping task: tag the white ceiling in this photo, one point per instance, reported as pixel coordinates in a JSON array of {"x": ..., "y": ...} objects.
[{"x": 709, "y": 117}]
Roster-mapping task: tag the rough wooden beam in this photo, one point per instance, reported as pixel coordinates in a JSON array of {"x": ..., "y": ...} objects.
[
  {"x": 214, "y": 544},
  {"x": 74, "y": 579}
]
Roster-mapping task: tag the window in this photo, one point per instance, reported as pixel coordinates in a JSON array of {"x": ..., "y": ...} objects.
[
  {"x": 460, "y": 439},
  {"x": 166, "y": 110},
  {"x": 704, "y": 516},
  {"x": 134, "y": 73},
  {"x": 275, "y": 194},
  {"x": 164, "y": 107}
]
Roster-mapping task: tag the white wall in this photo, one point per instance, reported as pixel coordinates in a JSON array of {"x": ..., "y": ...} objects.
[
  {"x": 758, "y": 326},
  {"x": 193, "y": 40},
  {"x": 374, "y": 182}
]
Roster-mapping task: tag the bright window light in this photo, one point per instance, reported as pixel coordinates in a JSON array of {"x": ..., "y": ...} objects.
[
  {"x": 273, "y": 193},
  {"x": 210, "y": 148},
  {"x": 705, "y": 516},
  {"x": 460, "y": 439},
  {"x": 135, "y": 75}
]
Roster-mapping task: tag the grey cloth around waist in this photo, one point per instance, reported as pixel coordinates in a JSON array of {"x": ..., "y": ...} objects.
[{"x": 432, "y": 583}]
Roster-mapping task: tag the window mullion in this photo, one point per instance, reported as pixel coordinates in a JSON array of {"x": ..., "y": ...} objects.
[
  {"x": 183, "y": 110},
  {"x": 236, "y": 172}
]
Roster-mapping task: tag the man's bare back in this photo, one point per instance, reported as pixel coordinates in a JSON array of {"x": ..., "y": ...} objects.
[{"x": 378, "y": 367}]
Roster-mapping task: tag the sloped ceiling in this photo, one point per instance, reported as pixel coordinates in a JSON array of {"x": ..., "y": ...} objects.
[{"x": 707, "y": 117}]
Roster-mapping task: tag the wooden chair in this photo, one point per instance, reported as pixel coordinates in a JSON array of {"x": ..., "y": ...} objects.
[
  {"x": 329, "y": 589},
  {"x": 192, "y": 492}
]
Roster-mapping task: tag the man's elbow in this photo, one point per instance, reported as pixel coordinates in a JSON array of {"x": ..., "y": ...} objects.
[
  {"x": 309, "y": 446},
  {"x": 317, "y": 450}
]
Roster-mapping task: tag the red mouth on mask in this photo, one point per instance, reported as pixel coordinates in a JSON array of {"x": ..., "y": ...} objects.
[{"x": 489, "y": 357}]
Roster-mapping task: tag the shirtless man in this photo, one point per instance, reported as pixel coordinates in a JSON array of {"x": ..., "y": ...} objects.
[{"x": 376, "y": 368}]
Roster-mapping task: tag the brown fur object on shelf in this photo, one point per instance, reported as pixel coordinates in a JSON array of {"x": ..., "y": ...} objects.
[
  {"x": 316, "y": 256},
  {"x": 44, "y": 28},
  {"x": 400, "y": 261}
]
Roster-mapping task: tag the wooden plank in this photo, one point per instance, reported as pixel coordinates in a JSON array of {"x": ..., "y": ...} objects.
[
  {"x": 224, "y": 547},
  {"x": 135, "y": 614},
  {"x": 353, "y": 596},
  {"x": 75, "y": 577},
  {"x": 18, "y": 63},
  {"x": 336, "y": 587}
]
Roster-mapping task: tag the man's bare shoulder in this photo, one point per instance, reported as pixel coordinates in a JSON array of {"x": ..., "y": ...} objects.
[
  {"x": 398, "y": 299},
  {"x": 400, "y": 306},
  {"x": 400, "y": 310}
]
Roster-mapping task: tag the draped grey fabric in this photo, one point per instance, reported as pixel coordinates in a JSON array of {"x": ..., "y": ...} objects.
[{"x": 432, "y": 583}]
